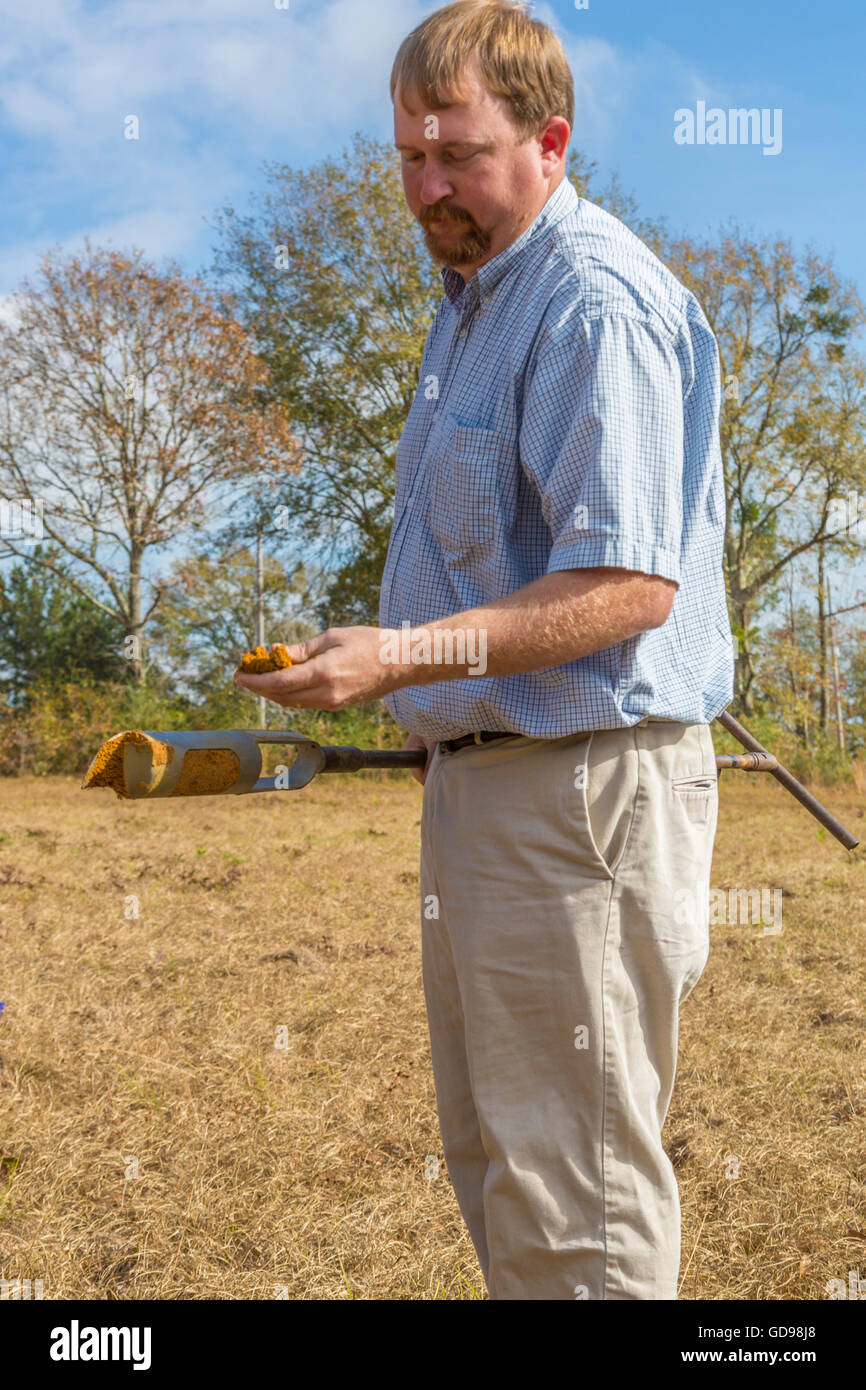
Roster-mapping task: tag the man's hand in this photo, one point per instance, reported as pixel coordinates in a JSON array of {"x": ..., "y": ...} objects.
[
  {"x": 340, "y": 667},
  {"x": 416, "y": 741}
]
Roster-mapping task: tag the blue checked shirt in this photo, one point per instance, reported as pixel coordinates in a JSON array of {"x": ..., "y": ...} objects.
[{"x": 566, "y": 417}]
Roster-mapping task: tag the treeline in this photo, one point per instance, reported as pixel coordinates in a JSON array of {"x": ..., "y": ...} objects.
[{"x": 202, "y": 449}]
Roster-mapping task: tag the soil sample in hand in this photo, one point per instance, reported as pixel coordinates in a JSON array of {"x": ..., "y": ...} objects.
[{"x": 261, "y": 660}]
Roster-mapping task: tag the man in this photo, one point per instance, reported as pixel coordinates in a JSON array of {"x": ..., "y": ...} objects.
[{"x": 555, "y": 568}]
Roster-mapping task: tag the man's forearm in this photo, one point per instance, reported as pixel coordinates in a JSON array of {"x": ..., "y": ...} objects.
[{"x": 556, "y": 619}]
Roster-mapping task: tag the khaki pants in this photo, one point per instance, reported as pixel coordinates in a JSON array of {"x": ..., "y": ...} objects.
[{"x": 565, "y": 909}]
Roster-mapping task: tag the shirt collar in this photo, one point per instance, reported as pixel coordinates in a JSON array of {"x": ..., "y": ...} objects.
[{"x": 464, "y": 295}]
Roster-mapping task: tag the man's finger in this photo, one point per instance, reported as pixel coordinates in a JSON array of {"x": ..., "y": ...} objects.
[
  {"x": 298, "y": 651},
  {"x": 316, "y": 696},
  {"x": 303, "y": 651},
  {"x": 288, "y": 680}
]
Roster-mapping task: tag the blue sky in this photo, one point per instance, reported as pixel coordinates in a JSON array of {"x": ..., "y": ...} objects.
[{"x": 219, "y": 86}]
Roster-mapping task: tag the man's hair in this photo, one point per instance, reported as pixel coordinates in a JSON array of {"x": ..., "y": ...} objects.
[{"x": 520, "y": 58}]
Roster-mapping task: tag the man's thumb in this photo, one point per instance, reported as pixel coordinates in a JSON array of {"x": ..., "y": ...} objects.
[{"x": 303, "y": 651}]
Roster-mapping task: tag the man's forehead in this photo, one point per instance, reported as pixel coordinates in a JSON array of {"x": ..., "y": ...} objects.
[
  {"x": 474, "y": 105},
  {"x": 455, "y": 124}
]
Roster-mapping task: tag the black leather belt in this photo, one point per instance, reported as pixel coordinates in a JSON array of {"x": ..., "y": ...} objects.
[{"x": 450, "y": 745}]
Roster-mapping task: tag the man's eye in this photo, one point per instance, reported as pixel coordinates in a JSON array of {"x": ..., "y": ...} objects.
[{"x": 456, "y": 159}]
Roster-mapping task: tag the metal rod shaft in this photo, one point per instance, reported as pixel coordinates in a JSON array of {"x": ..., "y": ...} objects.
[
  {"x": 788, "y": 780},
  {"x": 350, "y": 759}
]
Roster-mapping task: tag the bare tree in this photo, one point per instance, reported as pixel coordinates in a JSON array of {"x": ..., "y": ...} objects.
[
  {"x": 793, "y": 411},
  {"x": 128, "y": 396}
]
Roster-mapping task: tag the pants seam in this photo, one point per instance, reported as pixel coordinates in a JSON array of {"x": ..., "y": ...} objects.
[{"x": 605, "y": 1007}]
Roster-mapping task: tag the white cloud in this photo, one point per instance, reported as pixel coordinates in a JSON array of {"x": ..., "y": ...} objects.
[
  {"x": 614, "y": 89},
  {"x": 8, "y": 314},
  {"x": 217, "y": 86},
  {"x": 93, "y": 65}
]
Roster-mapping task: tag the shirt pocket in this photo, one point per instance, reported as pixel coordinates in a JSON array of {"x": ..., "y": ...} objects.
[{"x": 473, "y": 478}]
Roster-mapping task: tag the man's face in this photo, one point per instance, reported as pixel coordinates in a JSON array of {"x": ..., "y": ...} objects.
[{"x": 471, "y": 185}]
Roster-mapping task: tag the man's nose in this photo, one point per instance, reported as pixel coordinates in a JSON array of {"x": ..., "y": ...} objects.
[{"x": 434, "y": 185}]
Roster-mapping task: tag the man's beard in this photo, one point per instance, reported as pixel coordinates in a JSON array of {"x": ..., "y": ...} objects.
[{"x": 464, "y": 249}]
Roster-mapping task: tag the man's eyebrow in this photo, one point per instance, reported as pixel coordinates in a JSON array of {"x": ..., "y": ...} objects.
[{"x": 449, "y": 144}]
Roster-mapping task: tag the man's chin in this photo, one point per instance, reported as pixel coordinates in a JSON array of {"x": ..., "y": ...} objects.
[
  {"x": 450, "y": 257},
  {"x": 451, "y": 253}
]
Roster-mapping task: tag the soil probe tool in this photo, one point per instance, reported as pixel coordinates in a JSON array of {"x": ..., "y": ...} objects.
[
  {"x": 139, "y": 763},
  {"x": 770, "y": 764}
]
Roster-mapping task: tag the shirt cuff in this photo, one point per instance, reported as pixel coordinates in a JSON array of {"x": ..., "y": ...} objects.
[{"x": 616, "y": 553}]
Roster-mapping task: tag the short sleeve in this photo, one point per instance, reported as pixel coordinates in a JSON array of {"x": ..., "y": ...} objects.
[{"x": 602, "y": 438}]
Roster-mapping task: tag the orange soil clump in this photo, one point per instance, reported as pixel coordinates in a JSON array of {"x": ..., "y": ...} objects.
[
  {"x": 260, "y": 660},
  {"x": 106, "y": 770},
  {"x": 205, "y": 771}
]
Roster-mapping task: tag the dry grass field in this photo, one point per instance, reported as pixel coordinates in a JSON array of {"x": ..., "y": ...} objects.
[{"x": 303, "y": 1170}]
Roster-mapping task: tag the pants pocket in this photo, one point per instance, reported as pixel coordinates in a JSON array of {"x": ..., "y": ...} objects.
[
  {"x": 612, "y": 768},
  {"x": 696, "y": 795}
]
